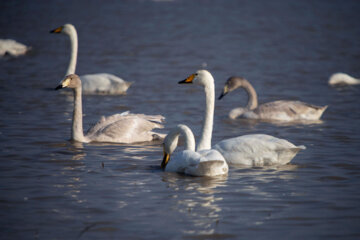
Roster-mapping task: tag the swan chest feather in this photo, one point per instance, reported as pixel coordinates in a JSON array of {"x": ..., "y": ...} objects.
[{"x": 203, "y": 163}]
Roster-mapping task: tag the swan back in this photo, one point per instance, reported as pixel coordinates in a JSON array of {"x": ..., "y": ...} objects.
[
  {"x": 257, "y": 150},
  {"x": 343, "y": 79},
  {"x": 12, "y": 47}
]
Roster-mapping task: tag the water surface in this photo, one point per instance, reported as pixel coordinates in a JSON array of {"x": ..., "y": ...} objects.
[{"x": 51, "y": 188}]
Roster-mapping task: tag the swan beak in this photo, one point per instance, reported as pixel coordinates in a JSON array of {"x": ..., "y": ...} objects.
[
  {"x": 225, "y": 91},
  {"x": 188, "y": 80},
  {"x": 165, "y": 160},
  {"x": 57, "y": 30},
  {"x": 63, "y": 84}
]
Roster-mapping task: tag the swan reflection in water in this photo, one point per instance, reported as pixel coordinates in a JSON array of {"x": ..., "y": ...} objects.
[{"x": 196, "y": 198}]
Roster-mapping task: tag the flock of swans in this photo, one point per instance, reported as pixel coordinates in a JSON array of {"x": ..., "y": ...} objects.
[{"x": 203, "y": 159}]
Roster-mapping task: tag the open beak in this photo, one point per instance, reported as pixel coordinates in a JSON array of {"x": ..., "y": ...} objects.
[
  {"x": 165, "y": 160},
  {"x": 188, "y": 80},
  {"x": 224, "y": 92},
  {"x": 57, "y": 30}
]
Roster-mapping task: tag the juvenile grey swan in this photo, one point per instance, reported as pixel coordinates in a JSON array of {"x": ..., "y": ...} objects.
[
  {"x": 202, "y": 163},
  {"x": 343, "y": 79},
  {"x": 99, "y": 83},
  {"x": 249, "y": 150},
  {"x": 281, "y": 110},
  {"x": 118, "y": 128}
]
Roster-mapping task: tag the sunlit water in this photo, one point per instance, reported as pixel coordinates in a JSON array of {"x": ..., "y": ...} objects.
[{"x": 51, "y": 188}]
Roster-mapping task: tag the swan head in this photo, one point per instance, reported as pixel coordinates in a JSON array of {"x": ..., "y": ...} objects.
[
  {"x": 70, "y": 81},
  {"x": 171, "y": 142},
  {"x": 201, "y": 77},
  {"x": 67, "y": 29},
  {"x": 233, "y": 83},
  {"x": 169, "y": 146}
]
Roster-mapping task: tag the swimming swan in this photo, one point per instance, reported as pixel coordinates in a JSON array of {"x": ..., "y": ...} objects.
[
  {"x": 250, "y": 150},
  {"x": 99, "y": 83},
  {"x": 202, "y": 163},
  {"x": 343, "y": 79},
  {"x": 12, "y": 48},
  {"x": 118, "y": 128},
  {"x": 280, "y": 110}
]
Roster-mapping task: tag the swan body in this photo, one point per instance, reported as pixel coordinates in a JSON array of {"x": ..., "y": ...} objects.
[
  {"x": 207, "y": 163},
  {"x": 251, "y": 150},
  {"x": 257, "y": 150},
  {"x": 343, "y": 79},
  {"x": 12, "y": 48},
  {"x": 118, "y": 128},
  {"x": 100, "y": 83},
  {"x": 280, "y": 110}
]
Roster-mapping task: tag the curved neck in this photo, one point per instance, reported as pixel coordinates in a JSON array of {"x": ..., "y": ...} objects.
[
  {"x": 205, "y": 139},
  {"x": 74, "y": 50},
  {"x": 171, "y": 140},
  {"x": 77, "y": 133},
  {"x": 188, "y": 137},
  {"x": 252, "y": 96}
]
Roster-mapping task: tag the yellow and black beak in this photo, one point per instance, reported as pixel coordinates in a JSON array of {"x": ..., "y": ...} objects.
[
  {"x": 63, "y": 84},
  {"x": 188, "y": 80},
  {"x": 57, "y": 30},
  {"x": 224, "y": 92},
  {"x": 165, "y": 160}
]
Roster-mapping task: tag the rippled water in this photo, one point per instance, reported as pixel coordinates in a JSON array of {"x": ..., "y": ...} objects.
[{"x": 51, "y": 188}]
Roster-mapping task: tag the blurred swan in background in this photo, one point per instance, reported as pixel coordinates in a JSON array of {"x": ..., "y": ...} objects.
[
  {"x": 99, "y": 83},
  {"x": 201, "y": 163},
  {"x": 343, "y": 79},
  {"x": 281, "y": 110},
  {"x": 118, "y": 128},
  {"x": 250, "y": 150},
  {"x": 12, "y": 48}
]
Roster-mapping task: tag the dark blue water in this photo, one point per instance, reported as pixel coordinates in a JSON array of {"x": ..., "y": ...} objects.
[{"x": 51, "y": 188}]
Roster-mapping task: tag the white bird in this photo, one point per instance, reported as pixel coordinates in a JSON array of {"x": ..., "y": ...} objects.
[
  {"x": 343, "y": 79},
  {"x": 281, "y": 110},
  {"x": 12, "y": 48},
  {"x": 99, "y": 83},
  {"x": 201, "y": 163},
  {"x": 250, "y": 150},
  {"x": 118, "y": 128}
]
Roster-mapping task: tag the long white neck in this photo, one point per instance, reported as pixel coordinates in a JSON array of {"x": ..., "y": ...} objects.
[
  {"x": 206, "y": 133},
  {"x": 252, "y": 96},
  {"x": 77, "y": 133},
  {"x": 74, "y": 50}
]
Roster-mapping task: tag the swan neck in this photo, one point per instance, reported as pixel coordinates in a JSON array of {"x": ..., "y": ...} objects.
[
  {"x": 252, "y": 96},
  {"x": 74, "y": 50},
  {"x": 188, "y": 138},
  {"x": 77, "y": 133},
  {"x": 205, "y": 139}
]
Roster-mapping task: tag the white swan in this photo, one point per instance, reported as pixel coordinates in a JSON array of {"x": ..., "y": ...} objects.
[
  {"x": 280, "y": 110},
  {"x": 202, "y": 163},
  {"x": 119, "y": 128},
  {"x": 250, "y": 150},
  {"x": 12, "y": 48},
  {"x": 100, "y": 83},
  {"x": 343, "y": 79}
]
